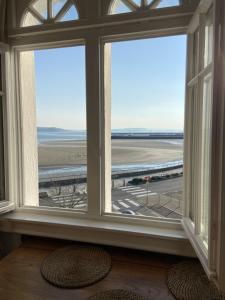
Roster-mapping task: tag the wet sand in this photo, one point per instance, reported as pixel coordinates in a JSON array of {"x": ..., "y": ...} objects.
[{"x": 123, "y": 152}]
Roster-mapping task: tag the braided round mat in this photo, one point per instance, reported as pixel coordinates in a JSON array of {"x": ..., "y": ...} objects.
[
  {"x": 188, "y": 281},
  {"x": 116, "y": 295},
  {"x": 76, "y": 266}
]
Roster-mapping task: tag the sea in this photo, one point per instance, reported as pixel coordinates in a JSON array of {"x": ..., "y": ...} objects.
[{"x": 46, "y": 135}]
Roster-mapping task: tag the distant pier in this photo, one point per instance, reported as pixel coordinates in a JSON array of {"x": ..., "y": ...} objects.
[{"x": 149, "y": 135}]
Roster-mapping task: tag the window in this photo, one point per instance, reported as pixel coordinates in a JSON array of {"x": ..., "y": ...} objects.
[
  {"x": 147, "y": 123},
  {"x": 49, "y": 11},
  {"x": 53, "y": 97},
  {"x": 126, "y": 6},
  {"x": 199, "y": 216},
  {"x": 200, "y": 103},
  {"x": 46, "y": 96}
]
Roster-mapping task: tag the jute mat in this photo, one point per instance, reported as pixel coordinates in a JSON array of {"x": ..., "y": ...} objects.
[
  {"x": 76, "y": 266},
  {"x": 188, "y": 281},
  {"x": 116, "y": 295}
]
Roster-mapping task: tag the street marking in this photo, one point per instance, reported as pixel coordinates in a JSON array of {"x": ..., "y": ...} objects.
[
  {"x": 150, "y": 194},
  {"x": 140, "y": 192},
  {"x": 66, "y": 200},
  {"x": 133, "y": 202},
  {"x": 123, "y": 204},
  {"x": 134, "y": 191},
  {"x": 79, "y": 205},
  {"x": 116, "y": 207},
  {"x": 129, "y": 188}
]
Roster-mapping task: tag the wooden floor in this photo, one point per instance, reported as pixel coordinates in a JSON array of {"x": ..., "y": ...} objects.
[{"x": 143, "y": 272}]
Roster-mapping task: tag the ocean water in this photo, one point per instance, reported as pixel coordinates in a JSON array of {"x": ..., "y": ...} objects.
[{"x": 53, "y": 134}]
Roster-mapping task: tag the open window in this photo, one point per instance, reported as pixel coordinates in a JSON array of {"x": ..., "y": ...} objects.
[
  {"x": 201, "y": 206},
  {"x": 7, "y": 203},
  {"x": 45, "y": 182}
]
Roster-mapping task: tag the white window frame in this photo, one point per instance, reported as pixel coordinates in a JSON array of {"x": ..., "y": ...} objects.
[
  {"x": 9, "y": 203},
  {"x": 145, "y": 233},
  {"x": 211, "y": 258}
]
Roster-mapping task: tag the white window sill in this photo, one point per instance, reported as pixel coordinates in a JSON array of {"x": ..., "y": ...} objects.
[{"x": 171, "y": 241}]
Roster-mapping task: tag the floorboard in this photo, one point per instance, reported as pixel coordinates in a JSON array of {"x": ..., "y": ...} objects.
[{"x": 139, "y": 271}]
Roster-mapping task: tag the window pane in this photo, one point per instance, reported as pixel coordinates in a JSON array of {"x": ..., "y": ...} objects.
[
  {"x": 208, "y": 39},
  {"x": 119, "y": 7},
  {"x": 195, "y": 53},
  {"x": 30, "y": 20},
  {"x": 57, "y": 5},
  {"x": 41, "y": 7},
  {"x": 193, "y": 149},
  {"x": 167, "y": 3},
  {"x": 70, "y": 15},
  {"x": 206, "y": 157},
  {"x": 53, "y": 97},
  {"x": 147, "y": 112}
]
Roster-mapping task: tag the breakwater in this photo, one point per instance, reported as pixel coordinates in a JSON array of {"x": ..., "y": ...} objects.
[{"x": 149, "y": 135}]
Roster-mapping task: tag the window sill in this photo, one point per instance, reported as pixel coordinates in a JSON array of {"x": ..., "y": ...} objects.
[{"x": 171, "y": 241}]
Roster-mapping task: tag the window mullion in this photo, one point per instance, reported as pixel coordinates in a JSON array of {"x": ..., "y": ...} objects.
[{"x": 93, "y": 125}]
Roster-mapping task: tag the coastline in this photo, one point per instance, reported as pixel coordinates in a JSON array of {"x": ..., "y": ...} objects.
[{"x": 124, "y": 152}]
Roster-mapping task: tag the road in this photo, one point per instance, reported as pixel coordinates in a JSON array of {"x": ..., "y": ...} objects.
[{"x": 159, "y": 199}]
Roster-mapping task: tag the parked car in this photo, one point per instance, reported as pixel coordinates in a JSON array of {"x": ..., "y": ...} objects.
[
  {"x": 136, "y": 181},
  {"x": 127, "y": 212}
]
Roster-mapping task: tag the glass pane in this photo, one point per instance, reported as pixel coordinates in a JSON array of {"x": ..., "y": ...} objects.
[
  {"x": 208, "y": 55},
  {"x": 137, "y": 2},
  {"x": 195, "y": 53},
  {"x": 164, "y": 3},
  {"x": 41, "y": 7},
  {"x": 70, "y": 15},
  {"x": 206, "y": 157},
  {"x": 53, "y": 97},
  {"x": 57, "y": 5},
  {"x": 30, "y": 20},
  {"x": 193, "y": 150},
  {"x": 147, "y": 117},
  {"x": 119, "y": 8}
]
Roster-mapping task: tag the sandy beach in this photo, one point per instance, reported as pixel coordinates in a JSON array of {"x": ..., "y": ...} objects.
[{"x": 72, "y": 153}]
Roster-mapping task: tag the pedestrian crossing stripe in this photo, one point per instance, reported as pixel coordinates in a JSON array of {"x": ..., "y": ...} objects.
[
  {"x": 143, "y": 195},
  {"x": 123, "y": 204},
  {"x": 133, "y": 202},
  {"x": 140, "y": 192},
  {"x": 80, "y": 205},
  {"x": 129, "y": 188}
]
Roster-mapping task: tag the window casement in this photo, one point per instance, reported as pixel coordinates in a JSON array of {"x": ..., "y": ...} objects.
[
  {"x": 96, "y": 31},
  {"x": 7, "y": 175}
]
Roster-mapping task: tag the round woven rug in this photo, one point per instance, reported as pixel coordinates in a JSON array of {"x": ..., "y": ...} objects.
[
  {"x": 76, "y": 266},
  {"x": 188, "y": 281},
  {"x": 116, "y": 295}
]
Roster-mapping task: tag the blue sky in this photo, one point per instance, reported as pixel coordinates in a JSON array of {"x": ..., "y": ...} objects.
[
  {"x": 148, "y": 78},
  {"x": 122, "y": 8}
]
